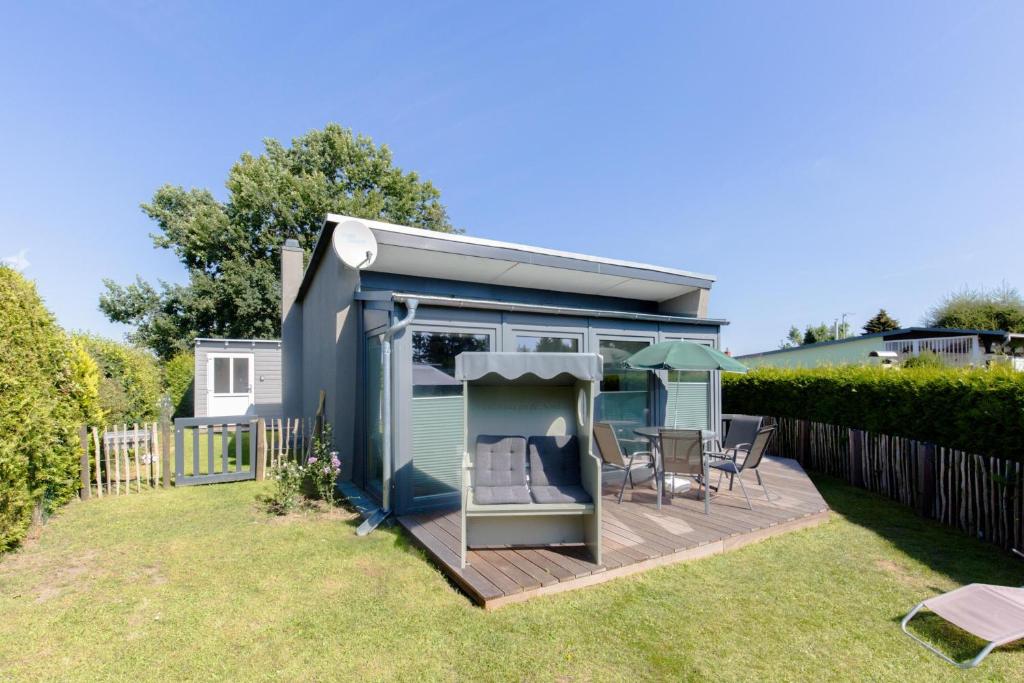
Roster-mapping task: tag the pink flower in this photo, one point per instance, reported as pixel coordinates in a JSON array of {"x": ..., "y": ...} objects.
[{"x": 312, "y": 460}]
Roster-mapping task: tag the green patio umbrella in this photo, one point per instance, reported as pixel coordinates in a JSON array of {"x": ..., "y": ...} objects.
[{"x": 682, "y": 355}]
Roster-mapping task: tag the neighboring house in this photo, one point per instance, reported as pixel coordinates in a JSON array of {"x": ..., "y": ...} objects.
[
  {"x": 451, "y": 293},
  {"x": 961, "y": 348},
  {"x": 238, "y": 377}
]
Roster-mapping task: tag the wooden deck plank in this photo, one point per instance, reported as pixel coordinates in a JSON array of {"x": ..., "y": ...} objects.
[
  {"x": 468, "y": 579},
  {"x": 636, "y": 536},
  {"x": 540, "y": 575},
  {"x": 514, "y": 570},
  {"x": 552, "y": 568},
  {"x": 478, "y": 560}
]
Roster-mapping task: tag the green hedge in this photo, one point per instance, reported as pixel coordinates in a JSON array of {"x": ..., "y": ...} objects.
[
  {"x": 980, "y": 411},
  {"x": 131, "y": 382},
  {"x": 179, "y": 379},
  {"x": 47, "y": 388}
]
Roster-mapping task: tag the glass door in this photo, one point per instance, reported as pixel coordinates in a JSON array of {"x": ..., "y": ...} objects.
[
  {"x": 688, "y": 395},
  {"x": 437, "y": 411},
  {"x": 688, "y": 400},
  {"x": 625, "y": 398}
]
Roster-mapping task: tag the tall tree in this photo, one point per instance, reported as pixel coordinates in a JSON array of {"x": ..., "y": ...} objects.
[
  {"x": 813, "y": 334},
  {"x": 231, "y": 249},
  {"x": 1001, "y": 308},
  {"x": 793, "y": 338},
  {"x": 882, "y": 322}
]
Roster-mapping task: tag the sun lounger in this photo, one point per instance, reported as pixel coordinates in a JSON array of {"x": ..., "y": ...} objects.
[{"x": 992, "y": 613}]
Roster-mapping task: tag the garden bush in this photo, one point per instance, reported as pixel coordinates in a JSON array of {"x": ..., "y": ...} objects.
[
  {"x": 179, "y": 381},
  {"x": 979, "y": 410},
  {"x": 48, "y": 387},
  {"x": 131, "y": 381}
]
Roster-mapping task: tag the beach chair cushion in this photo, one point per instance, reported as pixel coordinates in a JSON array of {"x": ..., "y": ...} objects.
[
  {"x": 555, "y": 470},
  {"x": 554, "y": 461},
  {"x": 499, "y": 470},
  {"x": 560, "y": 494}
]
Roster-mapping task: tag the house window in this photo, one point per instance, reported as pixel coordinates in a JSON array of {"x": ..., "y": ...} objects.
[
  {"x": 231, "y": 375},
  {"x": 526, "y": 344},
  {"x": 433, "y": 360}
]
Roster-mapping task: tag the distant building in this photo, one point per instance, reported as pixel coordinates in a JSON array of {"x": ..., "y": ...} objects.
[
  {"x": 238, "y": 377},
  {"x": 961, "y": 348}
]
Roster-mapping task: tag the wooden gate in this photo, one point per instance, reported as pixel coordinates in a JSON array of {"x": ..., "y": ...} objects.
[{"x": 227, "y": 451}]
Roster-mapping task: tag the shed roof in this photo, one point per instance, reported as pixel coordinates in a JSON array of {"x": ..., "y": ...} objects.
[{"x": 425, "y": 253}]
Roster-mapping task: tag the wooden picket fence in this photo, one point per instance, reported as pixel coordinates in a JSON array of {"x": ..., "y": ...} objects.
[
  {"x": 119, "y": 460},
  {"x": 978, "y": 494}
]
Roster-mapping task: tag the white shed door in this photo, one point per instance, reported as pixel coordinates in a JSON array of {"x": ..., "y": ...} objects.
[{"x": 229, "y": 384}]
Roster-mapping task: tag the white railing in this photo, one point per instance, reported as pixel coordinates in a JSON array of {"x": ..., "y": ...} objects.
[{"x": 960, "y": 351}]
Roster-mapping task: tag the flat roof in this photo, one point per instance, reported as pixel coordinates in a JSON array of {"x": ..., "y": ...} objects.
[
  {"x": 902, "y": 333},
  {"x": 472, "y": 259},
  {"x": 236, "y": 341}
]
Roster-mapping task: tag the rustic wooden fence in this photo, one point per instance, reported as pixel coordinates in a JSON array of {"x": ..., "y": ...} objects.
[
  {"x": 119, "y": 460},
  {"x": 980, "y": 495}
]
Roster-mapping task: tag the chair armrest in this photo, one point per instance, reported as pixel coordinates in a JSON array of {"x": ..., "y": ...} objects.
[{"x": 719, "y": 455}]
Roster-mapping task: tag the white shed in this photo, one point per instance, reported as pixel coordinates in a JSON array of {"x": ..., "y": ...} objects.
[{"x": 238, "y": 377}]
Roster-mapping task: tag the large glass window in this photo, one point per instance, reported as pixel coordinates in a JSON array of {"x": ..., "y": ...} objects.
[
  {"x": 437, "y": 409},
  {"x": 624, "y": 400},
  {"x": 526, "y": 344}
]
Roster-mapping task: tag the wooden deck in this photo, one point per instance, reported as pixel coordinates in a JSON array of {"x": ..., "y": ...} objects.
[{"x": 636, "y": 537}]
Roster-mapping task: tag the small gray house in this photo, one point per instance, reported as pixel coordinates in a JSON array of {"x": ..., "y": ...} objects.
[
  {"x": 429, "y": 296},
  {"x": 237, "y": 377}
]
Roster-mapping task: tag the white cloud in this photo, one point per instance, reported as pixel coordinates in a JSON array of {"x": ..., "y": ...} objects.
[{"x": 18, "y": 261}]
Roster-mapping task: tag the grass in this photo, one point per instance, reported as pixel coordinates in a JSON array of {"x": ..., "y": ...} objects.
[{"x": 198, "y": 583}]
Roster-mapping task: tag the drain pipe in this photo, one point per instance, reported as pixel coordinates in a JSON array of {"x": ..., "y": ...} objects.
[{"x": 374, "y": 520}]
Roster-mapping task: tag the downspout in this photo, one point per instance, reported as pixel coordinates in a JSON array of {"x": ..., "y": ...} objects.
[
  {"x": 374, "y": 520},
  {"x": 385, "y": 349}
]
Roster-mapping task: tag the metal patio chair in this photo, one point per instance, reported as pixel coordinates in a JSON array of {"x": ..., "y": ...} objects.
[
  {"x": 615, "y": 460},
  {"x": 726, "y": 462},
  {"x": 992, "y": 613},
  {"x": 682, "y": 452},
  {"x": 741, "y": 432}
]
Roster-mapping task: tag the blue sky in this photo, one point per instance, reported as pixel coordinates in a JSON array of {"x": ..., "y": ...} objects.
[{"x": 818, "y": 157}]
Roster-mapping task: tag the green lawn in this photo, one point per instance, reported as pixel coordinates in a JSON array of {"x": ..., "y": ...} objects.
[{"x": 198, "y": 583}]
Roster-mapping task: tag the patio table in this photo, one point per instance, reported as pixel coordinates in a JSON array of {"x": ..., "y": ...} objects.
[{"x": 652, "y": 435}]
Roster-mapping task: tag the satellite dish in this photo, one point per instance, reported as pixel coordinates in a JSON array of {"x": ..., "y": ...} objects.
[{"x": 355, "y": 244}]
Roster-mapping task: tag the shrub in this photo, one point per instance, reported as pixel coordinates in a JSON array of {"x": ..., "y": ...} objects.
[
  {"x": 47, "y": 388},
  {"x": 925, "y": 359},
  {"x": 179, "y": 382},
  {"x": 86, "y": 384},
  {"x": 130, "y": 380},
  {"x": 317, "y": 475},
  {"x": 323, "y": 465},
  {"x": 979, "y": 411},
  {"x": 287, "y": 478}
]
